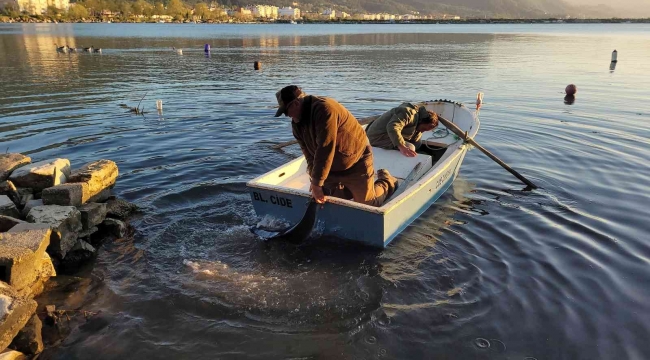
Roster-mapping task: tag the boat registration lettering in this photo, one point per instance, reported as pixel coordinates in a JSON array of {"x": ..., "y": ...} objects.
[
  {"x": 443, "y": 178},
  {"x": 275, "y": 200}
]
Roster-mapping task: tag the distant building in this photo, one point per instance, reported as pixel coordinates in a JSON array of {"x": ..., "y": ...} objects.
[
  {"x": 342, "y": 15},
  {"x": 289, "y": 13},
  {"x": 329, "y": 14},
  {"x": 243, "y": 12},
  {"x": 264, "y": 11}
]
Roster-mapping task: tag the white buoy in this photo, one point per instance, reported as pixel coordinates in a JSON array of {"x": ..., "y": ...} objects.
[
  {"x": 614, "y": 56},
  {"x": 159, "y": 105}
]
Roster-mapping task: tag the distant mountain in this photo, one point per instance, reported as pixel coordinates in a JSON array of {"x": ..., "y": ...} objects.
[{"x": 465, "y": 8}]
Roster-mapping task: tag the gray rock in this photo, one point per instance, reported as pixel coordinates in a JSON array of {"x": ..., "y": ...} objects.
[
  {"x": 10, "y": 162},
  {"x": 84, "y": 246},
  {"x": 120, "y": 209},
  {"x": 92, "y": 214},
  {"x": 26, "y": 194},
  {"x": 29, "y": 339},
  {"x": 8, "y": 208},
  {"x": 101, "y": 196},
  {"x": 8, "y": 188},
  {"x": 65, "y": 195},
  {"x": 42, "y": 174},
  {"x": 7, "y": 222},
  {"x": 21, "y": 255},
  {"x": 29, "y": 205},
  {"x": 15, "y": 311},
  {"x": 88, "y": 232},
  {"x": 65, "y": 222}
]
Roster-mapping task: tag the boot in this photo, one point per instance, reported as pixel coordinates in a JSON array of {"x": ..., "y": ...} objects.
[{"x": 383, "y": 174}]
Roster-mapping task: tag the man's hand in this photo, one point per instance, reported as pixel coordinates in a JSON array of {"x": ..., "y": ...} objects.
[
  {"x": 317, "y": 193},
  {"x": 406, "y": 151}
]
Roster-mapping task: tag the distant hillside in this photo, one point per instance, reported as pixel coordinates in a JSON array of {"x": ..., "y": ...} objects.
[{"x": 465, "y": 8}]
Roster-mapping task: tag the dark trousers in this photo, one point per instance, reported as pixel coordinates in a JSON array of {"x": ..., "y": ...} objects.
[{"x": 358, "y": 183}]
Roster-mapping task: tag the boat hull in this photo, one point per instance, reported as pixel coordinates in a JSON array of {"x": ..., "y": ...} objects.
[
  {"x": 283, "y": 193},
  {"x": 374, "y": 228}
]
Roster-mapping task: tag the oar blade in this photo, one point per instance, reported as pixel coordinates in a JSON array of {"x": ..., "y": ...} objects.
[{"x": 296, "y": 233}]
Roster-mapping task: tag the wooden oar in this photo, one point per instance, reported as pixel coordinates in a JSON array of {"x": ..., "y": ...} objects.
[
  {"x": 463, "y": 135},
  {"x": 300, "y": 231},
  {"x": 363, "y": 121}
]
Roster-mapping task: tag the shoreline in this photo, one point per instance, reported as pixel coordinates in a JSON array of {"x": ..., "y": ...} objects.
[{"x": 45, "y": 19}]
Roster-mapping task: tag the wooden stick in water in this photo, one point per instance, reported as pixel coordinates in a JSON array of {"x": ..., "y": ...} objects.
[{"x": 463, "y": 135}]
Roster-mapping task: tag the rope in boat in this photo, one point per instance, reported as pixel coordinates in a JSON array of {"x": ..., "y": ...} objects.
[{"x": 439, "y": 134}]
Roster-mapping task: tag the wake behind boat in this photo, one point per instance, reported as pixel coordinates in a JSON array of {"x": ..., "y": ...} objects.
[{"x": 283, "y": 193}]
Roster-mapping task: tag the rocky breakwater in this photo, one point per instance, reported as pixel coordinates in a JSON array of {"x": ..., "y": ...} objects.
[{"x": 52, "y": 218}]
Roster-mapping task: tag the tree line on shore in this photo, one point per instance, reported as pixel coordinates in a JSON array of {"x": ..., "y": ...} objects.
[{"x": 124, "y": 11}]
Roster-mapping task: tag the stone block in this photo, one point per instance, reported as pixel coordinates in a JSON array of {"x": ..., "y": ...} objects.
[
  {"x": 7, "y": 222},
  {"x": 13, "y": 355},
  {"x": 65, "y": 195},
  {"x": 29, "y": 205},
  {"x": 21, "y": 254},
  {"x": 15, "y": 311},
  {"x": 88, "y": 232},
  {"x": 10, "y": 162},
  {"x": 102, "y": 196},
  {"x": 29, "y": 339},
  {"x": 8, "y": 188},
  {"x": 65, "y": 222},
  {"x": 45, "y": 270},
  {"x": 25, "y": 194},
  {"x": 92, "y": 214},
  {"x": 42, "y": 174},
  {"x": 98, "y": 175},
  {"x": 8, "y": 208}
]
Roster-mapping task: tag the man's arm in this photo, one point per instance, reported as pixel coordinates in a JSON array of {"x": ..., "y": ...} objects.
[
  {"x": 326, "y": 126},
  {"x": 305, "y": 152}
]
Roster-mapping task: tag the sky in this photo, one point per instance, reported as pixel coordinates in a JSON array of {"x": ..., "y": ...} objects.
[{"x": 633, "y": 8}]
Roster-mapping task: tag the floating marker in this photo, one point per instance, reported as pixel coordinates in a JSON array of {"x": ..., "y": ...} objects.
[
  {"x": 257, "y": 65},
  {"x": 614, "y": 56},
  {"x": 571, "y": 90},
  {"x": 206, "y": 48},
  {"x": 159, "y": 105},
  {"x": 479, "y": 100}
]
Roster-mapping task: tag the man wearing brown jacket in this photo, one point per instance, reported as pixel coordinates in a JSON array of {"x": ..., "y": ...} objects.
[{"x": 336, "y": 148}]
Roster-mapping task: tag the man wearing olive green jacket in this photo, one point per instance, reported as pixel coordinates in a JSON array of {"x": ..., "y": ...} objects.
[{"x": 401, "y": 128}]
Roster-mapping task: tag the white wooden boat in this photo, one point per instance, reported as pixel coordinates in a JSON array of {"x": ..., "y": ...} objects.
[{"x": 283, "y": 193}]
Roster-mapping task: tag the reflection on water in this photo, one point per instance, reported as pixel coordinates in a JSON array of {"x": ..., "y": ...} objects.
[{"x": 489, "y": 271}]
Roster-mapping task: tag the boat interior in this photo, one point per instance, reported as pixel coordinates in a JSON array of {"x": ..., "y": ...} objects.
[{"x": 437, "y": 145}]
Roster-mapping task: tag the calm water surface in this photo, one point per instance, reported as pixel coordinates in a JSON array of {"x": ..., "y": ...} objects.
[{"x": 488, "y": 272}]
